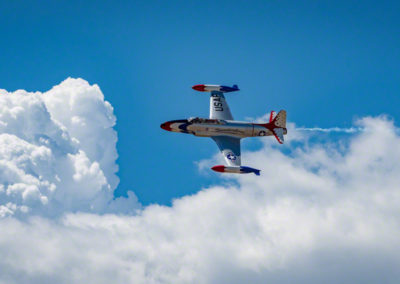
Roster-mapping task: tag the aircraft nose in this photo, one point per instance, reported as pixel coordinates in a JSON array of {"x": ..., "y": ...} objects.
[
  {"x": 200, "y": 88},
  {"x": 166, "y": 126}
]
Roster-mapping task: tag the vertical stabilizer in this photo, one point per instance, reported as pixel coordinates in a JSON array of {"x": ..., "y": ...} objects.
[{"x": 280, "y": 119}]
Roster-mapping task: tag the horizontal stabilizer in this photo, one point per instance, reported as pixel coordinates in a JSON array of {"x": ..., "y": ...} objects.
[{"x": 278, "y": 133}]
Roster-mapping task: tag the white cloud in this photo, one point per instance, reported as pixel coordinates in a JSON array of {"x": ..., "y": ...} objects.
[
  {"x": 57, "y": 151},
  {"x": 321, "y": 212}
]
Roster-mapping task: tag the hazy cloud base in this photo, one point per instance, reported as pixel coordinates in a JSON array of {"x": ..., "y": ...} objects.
[{"x": 321, "y": 212}]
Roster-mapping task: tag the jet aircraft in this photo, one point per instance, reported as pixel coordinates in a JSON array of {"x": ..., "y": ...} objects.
[{"x": 227, "y": 132}]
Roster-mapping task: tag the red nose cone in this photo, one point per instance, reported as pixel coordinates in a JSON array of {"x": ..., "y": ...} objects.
[
  {"x": 199, "y": 88},
  {"x": 220, "y": 169},
  {"x": 166, "y": 126}
]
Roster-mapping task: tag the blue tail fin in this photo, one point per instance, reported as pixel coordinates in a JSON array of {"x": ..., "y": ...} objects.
[{"x": 248, "y": 170}]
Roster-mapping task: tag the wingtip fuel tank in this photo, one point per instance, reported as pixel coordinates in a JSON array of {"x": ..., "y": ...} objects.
[
  {"x": 235, "y": 170},
  {"x": 217, "y": 88}
]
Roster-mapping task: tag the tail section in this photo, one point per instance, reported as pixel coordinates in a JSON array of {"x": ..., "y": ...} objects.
[
  {"x": 272, "y": 116},
  {"x": 278, "y": 133},
  {"x": 277, "y": 125},
  {"x": 280, "y": 119}
]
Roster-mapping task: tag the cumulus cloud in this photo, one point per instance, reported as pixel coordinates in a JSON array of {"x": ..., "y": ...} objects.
[
  {"x": 57, "y": 150},
  {"x": 321, "y": 212}
]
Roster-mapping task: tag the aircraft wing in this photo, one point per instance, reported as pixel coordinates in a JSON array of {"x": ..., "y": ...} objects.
[
  {"x": 219, "y": 108},
  {"x": 230, "y": 149}
]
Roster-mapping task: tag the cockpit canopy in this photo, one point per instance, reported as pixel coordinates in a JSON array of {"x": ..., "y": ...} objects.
[{"x": 205, "y": 120}]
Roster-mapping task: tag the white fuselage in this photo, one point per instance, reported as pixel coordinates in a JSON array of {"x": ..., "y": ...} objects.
[
  {"x": 229, "y": 128},
  {"x": 213, "y": 127}
]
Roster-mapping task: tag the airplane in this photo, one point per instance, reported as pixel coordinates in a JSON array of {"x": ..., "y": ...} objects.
[{"x": 225, "y": 131}]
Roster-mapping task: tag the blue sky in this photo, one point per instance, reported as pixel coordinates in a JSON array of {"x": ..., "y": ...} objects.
[{"x": 325, "y": 63}]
